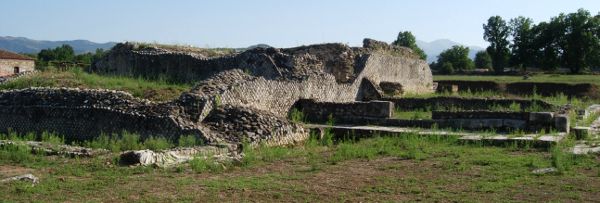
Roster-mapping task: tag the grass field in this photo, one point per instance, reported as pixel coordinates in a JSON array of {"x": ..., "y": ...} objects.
[
  {"x": 406, "y": 168},
  {"x": 558, "y": 78},
  {"x": 153, "y": 90}
]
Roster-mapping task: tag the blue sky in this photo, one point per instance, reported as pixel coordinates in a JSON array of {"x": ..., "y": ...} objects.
[{"x": 240, "y": 23}]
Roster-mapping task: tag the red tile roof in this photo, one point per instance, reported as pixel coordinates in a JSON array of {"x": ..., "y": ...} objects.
[{"x": 9, "y": 55}]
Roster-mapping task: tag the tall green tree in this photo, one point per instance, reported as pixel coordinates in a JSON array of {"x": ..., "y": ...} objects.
[
  {"x": 483, "y": 60},
  {"x": 581, "y": 40},
  {"x": 594, "y": 60},
  {"x": 548, "y": 43},
  {"x": 457, "y": 57},
  {"x": 496, "y": 32},
  {"x": 522, "y": 47},
  {"x": 407, "y": 39}
]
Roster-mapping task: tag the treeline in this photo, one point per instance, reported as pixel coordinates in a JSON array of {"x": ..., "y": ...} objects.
[
  {"x": 568, "y": 40},
  {"x": 64, "y": 56}
]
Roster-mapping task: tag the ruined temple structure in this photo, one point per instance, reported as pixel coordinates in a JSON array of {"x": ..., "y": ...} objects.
[{"x": 239, "y": 96}]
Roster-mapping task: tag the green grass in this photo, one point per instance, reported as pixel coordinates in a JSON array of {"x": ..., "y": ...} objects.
[
  {"x": 383, "y": 168},
  {"x": 115, "y": 143},
  {"x": 76, "y": 78},
  {"x": 202, "y": 164},
  {"x": 590, "y": 119},
  {"x": 412, "y": 115},
  {"x": 558, "y": 78}
]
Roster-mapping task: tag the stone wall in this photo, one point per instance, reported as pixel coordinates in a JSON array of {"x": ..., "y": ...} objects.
[
  {"x": 473, "y": 120},
  {"x": 245, "y": 96},
  {"x": 81, "y": 114},
  {"x": 551, "y": 89},
  {"x": 240, "y": 88},
  {"x": 465, "y": 85},
  {"x": 524, "y": 88},
  {"x": 409, "y": 104},
  {"x": 345, "y": 64},
  {"x": 321, "y": 111},
  {"x": 84, "y": 114},
  {"x": 7, "y": 66}
]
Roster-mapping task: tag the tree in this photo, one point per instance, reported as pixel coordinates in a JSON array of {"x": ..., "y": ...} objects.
[
  {"x": 496, "y": 32},
  {"x": 447, "y": 68},
  {"x": 594, "y": 60},
  {"x": 407, "y": 39},
  {"x": 581, "y": 40},
  {"x": 547, "y": 44},
  {"x": 522, "y": 46},
  {"x": 62, "y": 53},
  {"x": 457, "y": 56},
  {"x": 483, "y": 60}
]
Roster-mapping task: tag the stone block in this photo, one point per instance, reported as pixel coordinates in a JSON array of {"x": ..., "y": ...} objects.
[
  {"x": 541, "y": 117},
  {"x": 581, "y": 133},
  {"x": 514, "y": 123},
  {"x": 561, "y": 123}
]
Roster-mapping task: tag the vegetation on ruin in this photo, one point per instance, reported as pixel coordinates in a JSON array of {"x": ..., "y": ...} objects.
[
  {"x": 402, "y": 168},
  {"x": 156, "y": 90},
  {"x": 207, "y": 52}
]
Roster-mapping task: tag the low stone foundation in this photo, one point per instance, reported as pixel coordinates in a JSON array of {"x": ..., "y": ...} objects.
[
  {"x": 410, "y": 104},
  {"x": 472, "y": 120},
  {"x": 523, "y": 88},
  {"x": 322, "y": 111}
]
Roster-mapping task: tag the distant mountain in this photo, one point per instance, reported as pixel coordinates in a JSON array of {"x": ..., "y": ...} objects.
[
  {"x": 434, "y": 48},
  {"x": 25, "y": 45}
]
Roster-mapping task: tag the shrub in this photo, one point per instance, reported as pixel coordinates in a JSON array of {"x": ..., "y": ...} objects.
[
  {"x": 15, "y": 153},
  {"x": 157, "y": 143},
  {"x": 189, "y": 141}
]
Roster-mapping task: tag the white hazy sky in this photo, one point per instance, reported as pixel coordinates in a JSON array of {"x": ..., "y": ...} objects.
[{"x": 281, "y": 23}]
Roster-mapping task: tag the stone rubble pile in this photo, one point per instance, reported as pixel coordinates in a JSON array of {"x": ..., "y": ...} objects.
[{"x": 248, "y": 125}]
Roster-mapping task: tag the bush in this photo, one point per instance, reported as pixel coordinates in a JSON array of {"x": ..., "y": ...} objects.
[
  {"x": 189, "y": 141},
  {"x": 157, "y": 143},
  {"x": 15, "y": 153}
]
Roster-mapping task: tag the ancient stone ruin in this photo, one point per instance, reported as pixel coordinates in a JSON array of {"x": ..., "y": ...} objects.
[{"x": 240, "y": 96}]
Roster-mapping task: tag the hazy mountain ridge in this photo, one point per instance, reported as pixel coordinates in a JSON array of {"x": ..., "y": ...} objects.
[
  {"x": 434, "y": 48},
  {"x": 26, "y": 45}
]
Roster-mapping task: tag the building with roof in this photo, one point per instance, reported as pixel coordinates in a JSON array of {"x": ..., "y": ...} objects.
[{"x": 12, "y": 63}]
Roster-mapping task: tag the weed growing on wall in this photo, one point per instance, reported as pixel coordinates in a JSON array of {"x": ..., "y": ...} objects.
[
  {"x": 217, "y": 101},
  {"x": 297, "y": 116}
]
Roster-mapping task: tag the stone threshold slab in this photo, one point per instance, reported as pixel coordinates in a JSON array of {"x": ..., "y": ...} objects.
[{"x": 368, "y": 131}]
